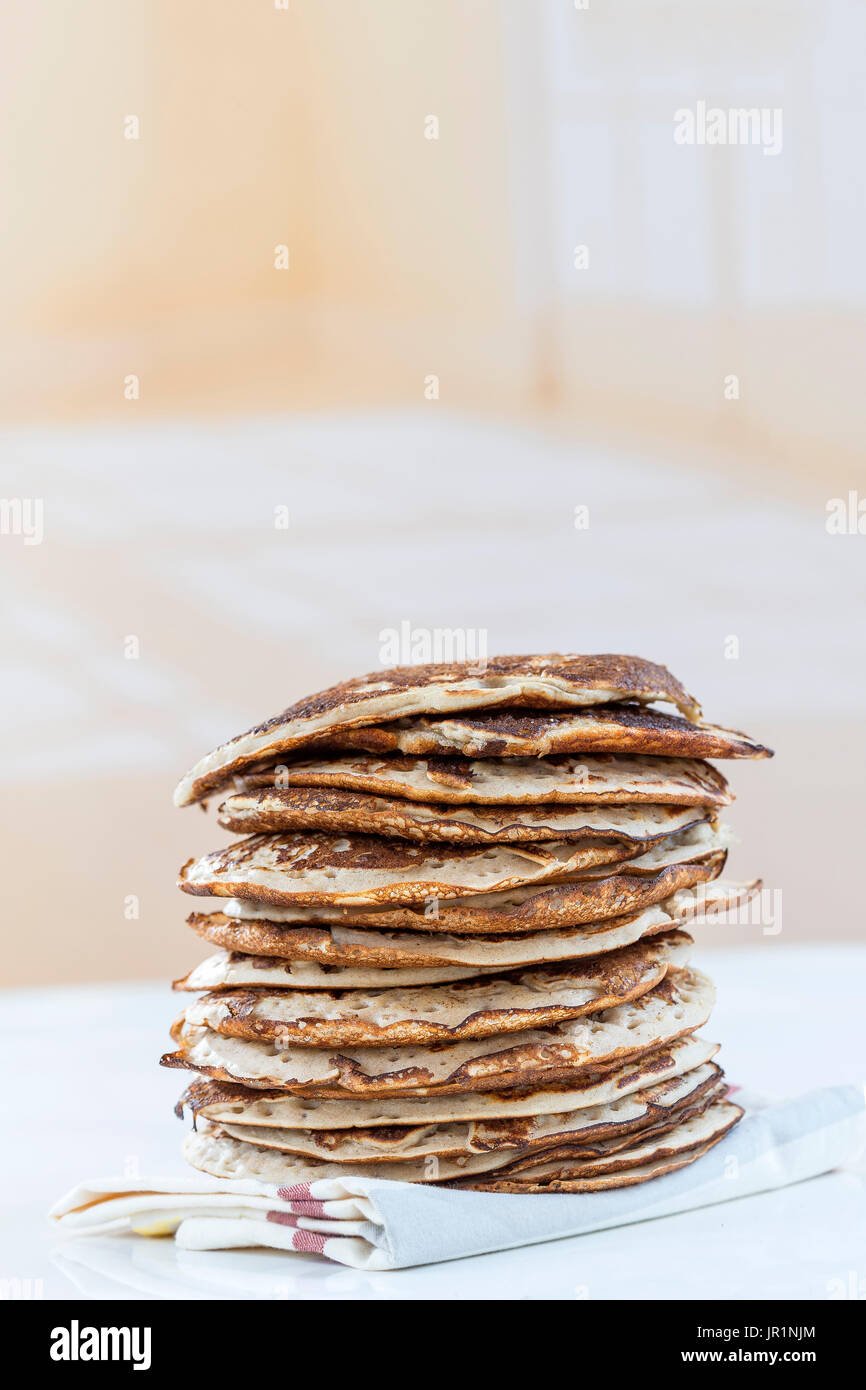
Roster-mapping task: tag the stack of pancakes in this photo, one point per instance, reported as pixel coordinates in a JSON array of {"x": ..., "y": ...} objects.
[{"x": 452, "y": 944}]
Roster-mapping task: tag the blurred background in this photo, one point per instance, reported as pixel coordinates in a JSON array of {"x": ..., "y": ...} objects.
[{"x": 323, "y": 315}]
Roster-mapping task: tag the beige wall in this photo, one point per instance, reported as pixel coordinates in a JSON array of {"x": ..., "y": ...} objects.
[
  {"x": 152, "y": 256},
  {"x": 409, "y": 257},
  {"x": 258, "y": 127}
]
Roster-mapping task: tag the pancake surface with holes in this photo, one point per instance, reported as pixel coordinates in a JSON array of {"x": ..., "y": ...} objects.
[
  {"x": 515, "y": 1137},
  {"x": 623, "y": 728},
  {"x": 257, "y": 950},
  {"x": 681, "y": 1003},
  {"x": 307, "y": 870},
  {"x": 694, "y": 858},
  {"x": 648, "y": 1158},
  {"x": 342, "y": 812},
  {"x": 213, "y": 1151},
  {"x": 236, "y": 1104},
  {"x": 477, "y": 1008},
  {"x": 450, "y": 945},
  {"x": 232, "y": 970},
  {"x": 511, "y": 1148},
  {"x": 554, "y": 681},
  {"x": 592, "y": 781}
]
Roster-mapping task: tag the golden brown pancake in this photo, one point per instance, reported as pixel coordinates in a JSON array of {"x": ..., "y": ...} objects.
[
  {"x": 576, "y": 1143},
  {"x": 589, "y": 896},
  {"x": 482, "y": 1007},
  {"x": 214, "y": 1151},
  {"x": 651, "y": 1155},
  {"x": 595, "y": 780},
  {"x": 622, "y": 728},
  {"x": 680, "y": 1004},
  {"x": 553, "y": 681},
  {"x": 353, "y": 813},
  {"x": 321, "y": 869},
  {"x": 675, "y": 1149},
  {"x": 255, "y": 948},
  {"x": 234, "y": 1103},
  {"x": 652, "y": 1108},
  {"x": 232, "y": 970}
]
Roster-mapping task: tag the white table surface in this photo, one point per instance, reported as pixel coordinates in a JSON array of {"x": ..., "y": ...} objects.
[{"x": 87, "y": 1100}]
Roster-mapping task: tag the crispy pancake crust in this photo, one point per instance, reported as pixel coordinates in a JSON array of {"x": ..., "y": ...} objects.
[
  {"x": 578, "y": 903},
  {"x": 556, "y": 681},
  {"x": 233, "y": 970},
  {"x": 335, "y": 945},
  {"x": 631, "y": 729},
  {"x": 312, "y": 870},
  {"x": 594, "y": 1129},
  {"x": 606, "y": 1152},
  {"x": 239, "y": 1104},
  {"x": 595, "y": 780},
  {"x": 213, "y": 1150},
  {"x": 694, "y": 1133},
  {"x": 681, "y": 1003},
  {"x": 295, "y": 870},
  {"x": 484, "y": 1007},
  {"x": 340, "y": 812},
  {"x": 603, "y": 1182}
]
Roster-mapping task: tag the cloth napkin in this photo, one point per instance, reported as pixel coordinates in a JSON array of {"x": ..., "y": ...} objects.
[{"x": 375, "y": 1224}]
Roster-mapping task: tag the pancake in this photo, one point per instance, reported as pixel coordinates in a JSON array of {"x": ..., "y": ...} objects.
[
  {"x": 595, "y": 780},
  {"x": 623, "y": 728},
  {"x": 553, "y": 681},
  {"x": 678, "y": 1005},
  {"x": 306, "y": 870},
  {"x": 231, "y": 970},
  {"x": 477, "y": 1008},
  {"x": 654, "y": 1157},
  {"x": 627, "y": 1149},
  {"x": 608, "y": 1182},
  {"x": 213, "y": 1151},
  {"x": 515, "y": 1138},
  {"x": 258, "y": 951},
  {"x": 227, "y": 1102},
  {"x": 593, "y": 896},
  {"x": 575, "y": 1143},
  {"x": 341, "y": 812}
]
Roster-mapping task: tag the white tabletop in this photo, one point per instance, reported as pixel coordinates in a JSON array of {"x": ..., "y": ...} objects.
[{"x": 88, "y": 1100}]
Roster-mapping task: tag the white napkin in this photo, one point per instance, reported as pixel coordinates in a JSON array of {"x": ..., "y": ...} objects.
[{"x": 376, "y": 1224}]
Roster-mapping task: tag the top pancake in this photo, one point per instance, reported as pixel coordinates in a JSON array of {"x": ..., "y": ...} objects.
[
  {"x": 621, "y": 728},
  {"x": 554, "y": 681}
]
